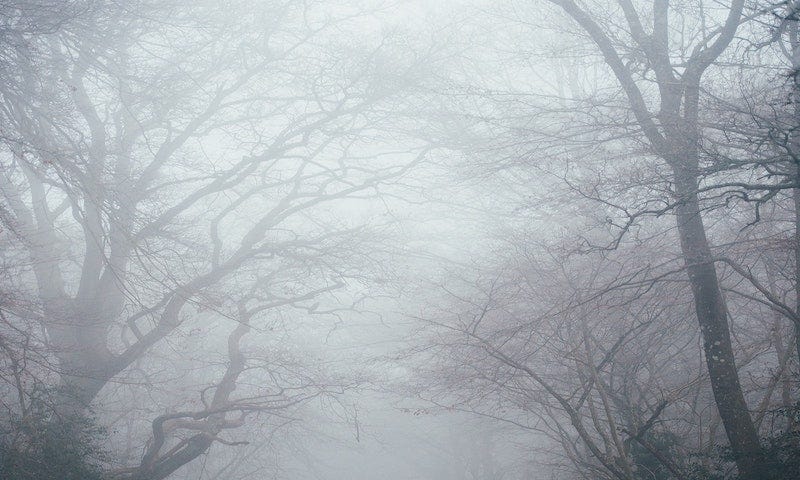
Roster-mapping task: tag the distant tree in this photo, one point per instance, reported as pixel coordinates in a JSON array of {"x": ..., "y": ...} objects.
[{"x": 608, "y": 377}]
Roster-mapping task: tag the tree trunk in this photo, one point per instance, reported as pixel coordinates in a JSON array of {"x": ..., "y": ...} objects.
[
  {"x": 794, "y": 154},
  {"x": 713, "y": 319},
  {"x": 796, "y": 247}
]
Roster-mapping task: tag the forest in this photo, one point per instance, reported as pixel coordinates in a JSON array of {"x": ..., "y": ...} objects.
[{"x": 399, "y": 239}]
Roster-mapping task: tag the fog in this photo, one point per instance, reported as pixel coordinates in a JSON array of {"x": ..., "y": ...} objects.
[{"x": 399, "y": 240}]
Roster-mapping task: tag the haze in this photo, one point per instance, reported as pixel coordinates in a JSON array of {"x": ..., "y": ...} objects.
[{"x": 399, "y": 240}]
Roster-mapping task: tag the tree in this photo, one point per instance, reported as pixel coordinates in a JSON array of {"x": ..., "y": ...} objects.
[
  {"x": 674, "y": 135},
  {"x": 648, "y": 142},
  {"x": 608, "y": 377},
  {"x": 165, "y": 176},
  {"x": 667, "y": 118}
]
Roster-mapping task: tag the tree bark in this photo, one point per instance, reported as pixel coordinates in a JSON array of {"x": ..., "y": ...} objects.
[{"x": 712, "y": 317}]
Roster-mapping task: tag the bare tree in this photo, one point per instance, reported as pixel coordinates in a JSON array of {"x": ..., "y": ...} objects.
[
  {"x": 658, "y": 57},
  {"x": 607, "y": 375},
  {"x": 176, "y": 160}
]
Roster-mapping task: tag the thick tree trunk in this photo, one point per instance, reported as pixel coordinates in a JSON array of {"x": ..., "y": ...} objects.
[
  {"x": 78, "y": 335},
  {"x": 713, "y": 319}
]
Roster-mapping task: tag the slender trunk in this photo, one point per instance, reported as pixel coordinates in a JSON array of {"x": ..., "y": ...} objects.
[
  {"x": 713, "y": 319},
  {"x": 794, "y": 153},
  {"x": 796, "y": 195},
  {"x": 794, "y": 146}
]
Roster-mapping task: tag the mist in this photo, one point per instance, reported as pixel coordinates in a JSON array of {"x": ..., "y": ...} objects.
[{"x": 399, "y": 240}]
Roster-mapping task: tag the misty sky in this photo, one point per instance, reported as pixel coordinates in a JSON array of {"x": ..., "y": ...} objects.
[{"x": 400, "y": 240}]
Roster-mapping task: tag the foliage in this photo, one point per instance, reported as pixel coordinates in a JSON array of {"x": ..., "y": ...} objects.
[
  {"x": 647, "y": 466},
  {"x": 781, "y": 450},
  {"x": 47, "y": 445}
]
